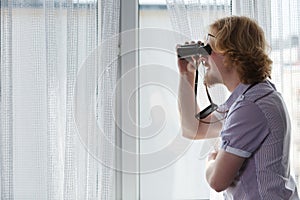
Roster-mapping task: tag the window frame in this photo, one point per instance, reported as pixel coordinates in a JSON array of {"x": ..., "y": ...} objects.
[{"x": 127, "y": 184}]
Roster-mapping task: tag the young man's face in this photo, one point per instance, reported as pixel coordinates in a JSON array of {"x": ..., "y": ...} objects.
[{"x": 214, "y": 65}]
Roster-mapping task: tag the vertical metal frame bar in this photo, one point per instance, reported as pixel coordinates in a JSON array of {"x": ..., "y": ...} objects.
[{"x": 127, "y": 138}]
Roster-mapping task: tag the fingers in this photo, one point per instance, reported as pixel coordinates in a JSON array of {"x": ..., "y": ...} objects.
[
  {"x": 195, "y": 58},
  {"x": 212, "y": 155},
  {"x": 188, "y": 64}
]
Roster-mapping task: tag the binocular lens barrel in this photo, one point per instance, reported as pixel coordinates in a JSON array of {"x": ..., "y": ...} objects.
[{"x": 189, "y": 50}]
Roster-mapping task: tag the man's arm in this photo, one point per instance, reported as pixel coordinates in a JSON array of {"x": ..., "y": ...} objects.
[
  {"x": 222, "y": 169},
  {"x": 191, "y": 127}
]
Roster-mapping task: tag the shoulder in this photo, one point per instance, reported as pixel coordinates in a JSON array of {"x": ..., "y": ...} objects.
[
  {"x": 260, "y": 91},
  {"x": 259, "y": 97},
  {"x": 245, "y": 112}
]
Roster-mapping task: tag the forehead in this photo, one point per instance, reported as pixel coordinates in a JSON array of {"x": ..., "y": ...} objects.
[
  {"x": 212, "y": 30},
  {"x": 208, "y": 37}
]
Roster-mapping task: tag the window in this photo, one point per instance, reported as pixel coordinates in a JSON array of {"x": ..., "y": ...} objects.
[{"x": 171, "y": 167}]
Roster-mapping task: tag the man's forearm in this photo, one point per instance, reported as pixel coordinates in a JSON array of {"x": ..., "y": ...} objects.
[{"x": 187, "y": 105}]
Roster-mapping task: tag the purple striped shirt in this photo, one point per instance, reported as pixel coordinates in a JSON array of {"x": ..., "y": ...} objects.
[{"x": 257, "y": 127}]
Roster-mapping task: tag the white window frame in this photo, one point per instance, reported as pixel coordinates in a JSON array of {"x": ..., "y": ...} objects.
[{"x": 127, "y": 184}]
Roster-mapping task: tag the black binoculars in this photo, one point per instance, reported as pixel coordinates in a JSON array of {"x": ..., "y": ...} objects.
[{"x": 189, "y": 50}]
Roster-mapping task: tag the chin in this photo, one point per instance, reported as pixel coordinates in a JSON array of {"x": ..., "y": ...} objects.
[{"x": 212, "y": 80}]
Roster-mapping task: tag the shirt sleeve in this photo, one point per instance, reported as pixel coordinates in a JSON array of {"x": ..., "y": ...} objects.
[{"x": 244, "y": 130}]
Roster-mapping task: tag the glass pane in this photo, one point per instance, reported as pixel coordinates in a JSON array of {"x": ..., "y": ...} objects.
[{"x": 171, "y": 166}]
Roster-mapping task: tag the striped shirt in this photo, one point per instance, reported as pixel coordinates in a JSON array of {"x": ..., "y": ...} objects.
[{"x": 258, "y": 128}]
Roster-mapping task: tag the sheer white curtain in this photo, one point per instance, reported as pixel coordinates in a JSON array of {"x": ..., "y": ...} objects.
[
  {"x": 50, "y": 143},
  {"x": 192, "y": 17},
  {"x": 280, "y": 20}
]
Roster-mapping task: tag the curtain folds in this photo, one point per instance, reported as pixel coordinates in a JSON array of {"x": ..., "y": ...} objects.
[
  {"x": 192, "y": 17},
  {"x": 6, "y": 137},
  {"x": 57, "y": 98}
]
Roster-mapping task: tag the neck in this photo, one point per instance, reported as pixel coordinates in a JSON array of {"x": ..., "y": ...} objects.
[
  {"x": 232, "y": 85},
  {"x": 232, "y": 82}
]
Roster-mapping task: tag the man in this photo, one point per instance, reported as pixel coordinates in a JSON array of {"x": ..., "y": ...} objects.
[{"x": 253, "y": 160}]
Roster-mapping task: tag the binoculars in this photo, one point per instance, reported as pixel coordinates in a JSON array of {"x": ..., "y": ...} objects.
[{"x": 189, "y": 50}]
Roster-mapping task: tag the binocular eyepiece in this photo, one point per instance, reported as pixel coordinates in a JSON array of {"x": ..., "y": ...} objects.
[{"x": 189, "y": 50}]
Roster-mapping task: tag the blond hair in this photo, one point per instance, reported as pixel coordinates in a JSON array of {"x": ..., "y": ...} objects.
[{"x": 243, "y": 44}]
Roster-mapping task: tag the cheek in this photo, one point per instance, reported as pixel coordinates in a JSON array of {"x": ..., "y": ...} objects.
[{"x": 217, "y": 60}]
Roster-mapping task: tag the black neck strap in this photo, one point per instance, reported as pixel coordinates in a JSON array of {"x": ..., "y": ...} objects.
[{"x": 253, "y": 84}]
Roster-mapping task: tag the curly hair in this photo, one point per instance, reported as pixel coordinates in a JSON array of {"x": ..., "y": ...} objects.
[{"x": 244, "y": 46}]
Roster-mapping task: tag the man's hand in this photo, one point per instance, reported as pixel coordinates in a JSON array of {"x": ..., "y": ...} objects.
[
  {"x": 190, "y": 64},
  {"x": 186, "y": 65},
  {"x": 212, "y": 156}
]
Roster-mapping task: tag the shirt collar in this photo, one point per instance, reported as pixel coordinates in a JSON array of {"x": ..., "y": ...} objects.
[{"x": 240, "y": 89}]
